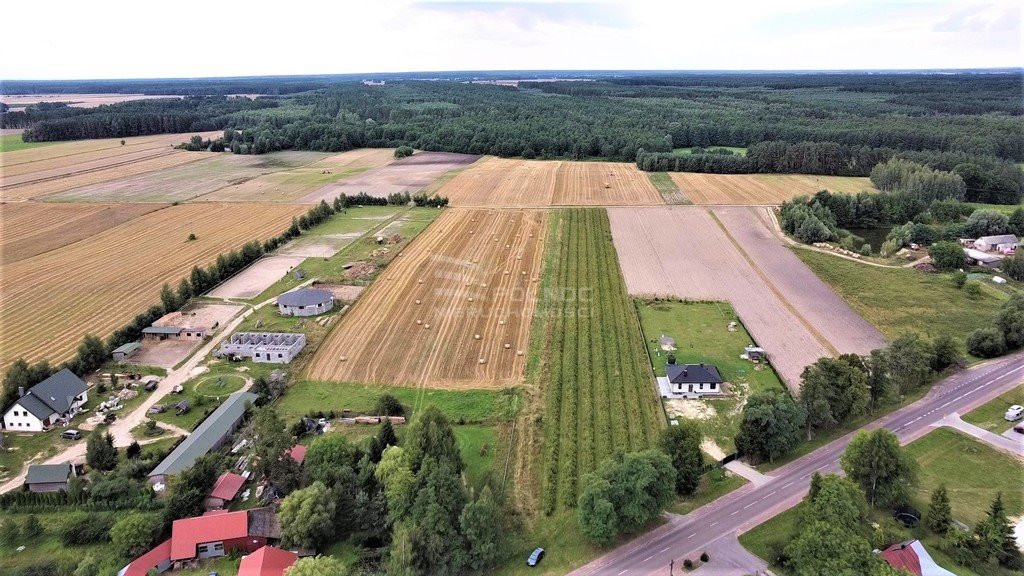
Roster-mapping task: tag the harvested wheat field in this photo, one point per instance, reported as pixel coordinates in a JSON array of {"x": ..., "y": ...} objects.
[
  {"x": 288, "y": 185},
  {"x": 453, "y": 310},
  {"x": 20, "y": 101},
  {"x": 49, "y": 301},
  {"x": 45, "y": 170},
  {"x": 408, "y": 175},
  {"x": 506, "y": 182},
  {"x": 761, "y": 188},
  {"x": 31, "y": 228},
  {"x": 685, "y": 252}
]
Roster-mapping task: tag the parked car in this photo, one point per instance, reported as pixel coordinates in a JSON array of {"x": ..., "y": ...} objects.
[
  {"x": 1019, "y": 429},
  {"x": 71, "y": 434},
  {"x": 534, "y": 558},
  {"x": 110, "y": 417},
  {"x": 151, "y": 385},
  {"x": 1014, "y": 413}
]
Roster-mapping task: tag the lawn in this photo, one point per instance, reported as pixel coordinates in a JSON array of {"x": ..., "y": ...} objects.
[
  {"x": 668, "y": 188},
  {"x": 478, "y": 446},
  {"x": 408, "y": 225},
  {"x": 564, "y": 547},
  {"x": 701, "y": 335},
  {"x": 898, "y": 300},
  {"x": 990, "y": 416},
  {"x": 226, "y": 566},
  {"x": 462, "y": 406},
  {"x": 713, "y": 486},
  {"x": 219, "y": 386},
  {"x": 13, "y": 143},
  {"x": 972, "y": 471}
]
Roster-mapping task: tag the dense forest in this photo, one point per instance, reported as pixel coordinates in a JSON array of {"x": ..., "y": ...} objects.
[{"x": 818, "y": 123}]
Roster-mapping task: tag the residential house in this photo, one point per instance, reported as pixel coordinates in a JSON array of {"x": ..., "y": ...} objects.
[
  {"x": 54, "y": 400},
  {"x": 267, "y": 561},
  {"x": 911, "y": 556},
  {"x": 224, "y": 491},
  {"x": 694, "y": 380},
  {"x": 49, "y": 477}
]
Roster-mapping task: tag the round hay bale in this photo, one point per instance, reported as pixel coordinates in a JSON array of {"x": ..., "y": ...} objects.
[
  {"x": 471, "y": 232},
  {"x": 418, "y": 322},
  {"x": 343, "y": 359},
  {"x": 508, "y": 245},
  {"x": 506, "y": 272},
  {"x": 483, "y": 284},
  {"x": 507, "y": 346},
  {"x": 482, "y": 361},
  {"x": 426, "y": 326},
  {"x": 470, "y": 298},
  {"x": 417, "y": 301},
  {"x": 519, "y": 352},
  {"x": 476, "y": 336},
  {"x": 419, "y": 281},
  {"x": 522, "y": 272},
  {"x": 501, "y": 322}
]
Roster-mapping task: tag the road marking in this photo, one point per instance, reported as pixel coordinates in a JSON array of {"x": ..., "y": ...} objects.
[
  {"x": 623, "y": 572},
  {"x": 748, "y": 505},
  {"x": 692, "y": 535},
  {"x": 772, "y": 493},
  {"x": 788, "y": 485},
  {"x": 713, "y": 523},
  {"x": 648, "y": 558},
  {"x": 734, "y": 513},
  {"x": 663, "y": 550}
]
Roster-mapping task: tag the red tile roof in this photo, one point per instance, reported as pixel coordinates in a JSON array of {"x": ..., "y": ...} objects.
[
  {"x": 267, "y": 561},
  {"x": 903, "y": 557},
  {"x": 227, "y": 486},
  {"x": 298, "y": 453},
  {"x": 188, "y": 533},
  {"x": 141, "y": 565}
]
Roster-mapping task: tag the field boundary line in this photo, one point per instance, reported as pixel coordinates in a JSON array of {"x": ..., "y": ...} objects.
[{"x": 771, "y": 286}]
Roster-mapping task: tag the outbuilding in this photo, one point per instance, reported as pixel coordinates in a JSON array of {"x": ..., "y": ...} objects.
[
  {"x": 49, "y": 477},
  {"x": 305, "y": 302},
  {"x": 125, "y": 351},
  {"x": 1001, "y": 242}
]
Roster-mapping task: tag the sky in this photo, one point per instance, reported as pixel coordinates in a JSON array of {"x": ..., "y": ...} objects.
[{"x": 78, "y": 39}]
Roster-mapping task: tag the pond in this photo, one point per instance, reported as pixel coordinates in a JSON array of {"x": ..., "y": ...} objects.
[{"x": 873, "y": 236}]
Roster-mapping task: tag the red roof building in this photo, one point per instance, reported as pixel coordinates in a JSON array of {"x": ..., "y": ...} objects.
[
  {"x": 267, "y": 561},
  {"x": 912, "y": 557},
  {"x": 224, "y": 491},
  {"x": 298, "y": 453},
  {"x": 158, "y": 558}
]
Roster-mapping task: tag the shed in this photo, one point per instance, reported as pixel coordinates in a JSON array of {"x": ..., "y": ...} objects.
[
  {"x": 225, "y": 490},
  {"x": 754, "y": 353},
  {"x": 267, "y": 561},
  {"x": 305, "y": 302},
  {"x": 49, "y": 477},
  {"x": 125, "y": 351}
]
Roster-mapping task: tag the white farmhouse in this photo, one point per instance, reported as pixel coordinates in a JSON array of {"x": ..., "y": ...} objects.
[
  {"x": 53, "y": 400},
  {"x": 1001, "y": 243},
  {"x": 691, "y": 381}
]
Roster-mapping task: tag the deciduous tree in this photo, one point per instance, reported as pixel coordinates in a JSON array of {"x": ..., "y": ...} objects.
[
  {"x": 307, "y": 517},
  {"x": 878, "y": 464},
  {"x": 771, "y": 425}
]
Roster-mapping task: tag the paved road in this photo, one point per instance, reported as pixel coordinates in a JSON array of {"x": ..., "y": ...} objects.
[{"x": 743, "y": 509}]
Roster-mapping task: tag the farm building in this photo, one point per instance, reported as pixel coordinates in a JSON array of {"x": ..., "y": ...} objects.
[
  {"x": 125, "y": 351},
  {"x": 54, "y": 400},
  {"x": 267, "y": 561},
  {"x": 264, "y": 347},
  {"x": 691, "y": 381},
  {"x": 224, "y": 491},
  {"x": 208, "y": 536},
  {"x": 305, "y": 302},
  {"x": 998, "y": 243},
  {"x": 912, "y": 557},
  {"x": 754, "y": 353},
  {"x": 979, "y": 258},
  {"x": 213, "y": 432},
  {"x": 155, "y": 332},
  {"x": 49, "y": 477}
]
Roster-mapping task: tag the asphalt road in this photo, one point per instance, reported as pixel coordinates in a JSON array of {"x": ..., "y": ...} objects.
[{"x": 751, "y": 505}]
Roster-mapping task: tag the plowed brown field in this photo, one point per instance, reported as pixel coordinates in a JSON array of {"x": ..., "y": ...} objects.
[
  {"x": 462, "y": 292},
  {"x": 36, "y": 172},
  {"x": 761, "y": 188},
  {"x": 685, "y": 252},
  {"x": 505, "y": 182},
  {"x": 49, "y": 301},
  {"x": 31, "y": 228}
]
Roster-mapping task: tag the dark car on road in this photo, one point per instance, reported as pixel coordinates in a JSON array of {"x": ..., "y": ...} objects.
[
  {"x": 1019, "y": 429},
  {"x": 534, "y": 558}
]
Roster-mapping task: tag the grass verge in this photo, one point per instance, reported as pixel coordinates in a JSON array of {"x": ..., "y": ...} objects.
[{"x": 990, "y": 415}]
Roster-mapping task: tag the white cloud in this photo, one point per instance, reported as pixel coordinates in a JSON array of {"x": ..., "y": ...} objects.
[{"x": 117, "y": 38}]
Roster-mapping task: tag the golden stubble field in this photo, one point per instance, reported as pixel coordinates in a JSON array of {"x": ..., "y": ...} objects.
[
  {"x": 96, "y": 285},
  {"x": 37, "y": 172},
  {"x": 512, "y": 183},
  {"x": 761, "y": 188},
  {"x": 454, "y": 310}
]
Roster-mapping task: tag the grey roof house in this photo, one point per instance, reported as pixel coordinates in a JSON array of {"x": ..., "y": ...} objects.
[
  {"x": 305, "y": 302},
  {"x": 211, "y": 434},
  {"x": 49, "y": 477},
  {"x": 691, "y": 381},
  {"x": 55, "y": 399}
]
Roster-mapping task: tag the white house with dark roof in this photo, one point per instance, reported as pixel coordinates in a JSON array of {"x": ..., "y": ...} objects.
[
  {"x": 691, "y": 381},
  {"x": 56, "y": 399},
  {"x": 1000, "y": 243},
  {"x": 305, "y": 302}
]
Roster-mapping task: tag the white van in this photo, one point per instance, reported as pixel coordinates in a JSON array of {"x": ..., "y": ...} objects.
[{"x": 1014, "y": 413}]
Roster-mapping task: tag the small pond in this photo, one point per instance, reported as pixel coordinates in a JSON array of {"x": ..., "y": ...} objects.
[{"x": 873, "y": 236}]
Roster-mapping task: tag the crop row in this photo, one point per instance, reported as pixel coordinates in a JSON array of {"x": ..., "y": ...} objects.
[{"x": 599, "y": 395}]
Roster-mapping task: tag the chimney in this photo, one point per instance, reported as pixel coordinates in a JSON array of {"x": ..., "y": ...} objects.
[
  {"x": 21, "y": 391},
  {"x": 684, "y": 371}
]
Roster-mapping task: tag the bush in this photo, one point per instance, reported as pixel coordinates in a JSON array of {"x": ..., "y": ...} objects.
[
  {"x": 403, "y": 151},
  {"x": 81, "y": 528},
  {"x": 704, "y": 557},
  {"x": 972, "y": 288},
  {"x": 959, "y": 279},
  {"x": 388, "y": 405},
  {"x": 946, "y": 255},
  {"x": 688, "y": 564},
  {"x": 1014, "y": 266},
  {"x": 32, "y": 527},
  {"x": 986, "y": 343}
]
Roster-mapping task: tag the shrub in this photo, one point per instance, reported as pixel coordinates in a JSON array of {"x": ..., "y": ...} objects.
[
  {"x": 1014, "y": 266},
  {"x": 704, "y": 557},
  {"x": 959, "y": 279},
  {"x": 986, "y": 343},
  {"x": 688, "y": 564},
  {"x": 388, "y": 405},
  {"x": 972, "y": 288},
  {"x": 946, "y": 255},
  {"x": 81, "y": 528},
  {"x": 32, "y": 527}
]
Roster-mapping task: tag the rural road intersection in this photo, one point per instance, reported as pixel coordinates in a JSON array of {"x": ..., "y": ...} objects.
[{"x": 751, "y": 505}]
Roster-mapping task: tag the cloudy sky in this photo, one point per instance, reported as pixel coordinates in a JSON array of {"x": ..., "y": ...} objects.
[{"x": 185, "y": 38}]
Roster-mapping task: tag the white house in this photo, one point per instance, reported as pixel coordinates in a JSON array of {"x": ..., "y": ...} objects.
[
  {"x": 55, "y": 399},
  {"x": 1001, "y": 243},
  {"x": 693, "y": 380}
]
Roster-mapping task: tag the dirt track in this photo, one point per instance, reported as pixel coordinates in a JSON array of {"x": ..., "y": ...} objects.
[
  {"x": 502, "y": 182},
  {"x": 683, "y": 252},
  {"x": 409, "y": 174},
  {"x": 474, "y": 272}
]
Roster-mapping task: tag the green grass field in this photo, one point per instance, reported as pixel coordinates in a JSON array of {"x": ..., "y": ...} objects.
[
  {"x": 713, "y": 486},
  {"x": 972, "y": 471},
  {"x": 668, "y": 188},
  {"x": 701, "y": 335},
  {"x": 990, "y": 416},
  {"x": 904, "y": 300},
  {"x": 219, "y": 386},
  {"x": 598, "y": 393},
  {"x": 13, "y": 143}
]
